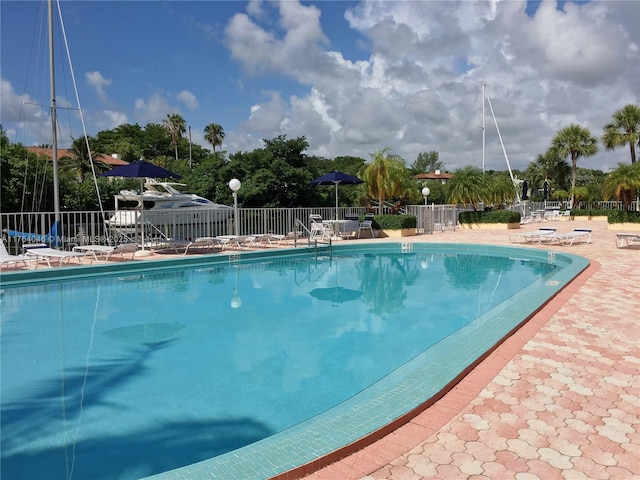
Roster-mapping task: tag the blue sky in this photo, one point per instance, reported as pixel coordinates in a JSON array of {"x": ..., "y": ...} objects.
[{"x": 353, "y": 77}]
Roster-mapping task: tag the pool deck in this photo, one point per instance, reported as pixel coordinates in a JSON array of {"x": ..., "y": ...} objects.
[{"x": 559, "y": 399}]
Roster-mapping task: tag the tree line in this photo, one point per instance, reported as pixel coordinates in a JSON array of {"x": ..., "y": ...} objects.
[{"x": 278, "y": 174}]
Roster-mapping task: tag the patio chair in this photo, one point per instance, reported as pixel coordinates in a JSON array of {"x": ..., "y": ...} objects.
[
  {"x": 627, "y": 239},
  {"x": 318, "y": 228},
  {"x": 7, "y": 259},
  {"x": 530, "y": 237},
  {"x": 366, "y": 224},
  {"x": 42, "y": 252}
]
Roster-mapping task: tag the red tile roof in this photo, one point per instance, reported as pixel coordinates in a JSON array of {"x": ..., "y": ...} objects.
[{"x": 62, "y": 152}]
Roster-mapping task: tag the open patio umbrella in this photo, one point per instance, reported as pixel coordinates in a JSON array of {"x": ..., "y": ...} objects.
[
  {"x": 336, "y": 178},
  {"x": 140, "y": 169}
]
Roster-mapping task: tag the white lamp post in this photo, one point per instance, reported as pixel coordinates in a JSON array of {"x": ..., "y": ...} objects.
[
  {"x": 425, "y": 194},
  {"x": 234, "y": 185}
]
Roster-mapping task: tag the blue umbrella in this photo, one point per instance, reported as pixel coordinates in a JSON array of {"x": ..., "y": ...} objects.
[
  {"x": 525, "y": 190},
  {"x": 545, "y": 191},
  {"x": 336, "y": 178},
  {"x": 140, "y": 169}
]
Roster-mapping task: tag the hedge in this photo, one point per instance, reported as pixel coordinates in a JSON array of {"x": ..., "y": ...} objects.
[
  {"x": 394, "y": 222},
  {"x": 613, "y": 216},
  {"x": 493, "y": 216},
  {"x": 623, "y": 216}
]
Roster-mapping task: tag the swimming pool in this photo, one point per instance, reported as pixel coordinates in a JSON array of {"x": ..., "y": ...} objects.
[{"x": 113, "y": 371}]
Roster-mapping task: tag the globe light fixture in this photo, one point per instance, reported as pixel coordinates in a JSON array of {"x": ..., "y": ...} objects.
[
  {"x": 234, "y": 185},
  {"x": 425, "y": 194}
]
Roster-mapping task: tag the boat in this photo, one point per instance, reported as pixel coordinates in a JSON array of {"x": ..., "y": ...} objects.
[{"x": 167, "y": 210}]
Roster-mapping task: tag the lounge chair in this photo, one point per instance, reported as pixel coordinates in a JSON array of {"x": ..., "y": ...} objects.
[
  {"x": 567, "y": 238},
  {"x": 107, "y": 251},
  {"x": 40, "y": 251},
  {"x": 7, "y": 259},
  {"x": 530, "y": 237},
  {"x": 203, "y": 242},
  {"x": 627, "y": 239}
]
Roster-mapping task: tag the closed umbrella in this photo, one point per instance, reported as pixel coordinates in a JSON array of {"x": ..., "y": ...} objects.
[
  {"x": 140, "y": 169},
  {"x": 525, "y": 190},
  {"x": 336, "y": 178}
]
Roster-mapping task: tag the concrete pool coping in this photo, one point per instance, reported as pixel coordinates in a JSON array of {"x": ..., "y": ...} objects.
[{"x": 383, "y": 407}]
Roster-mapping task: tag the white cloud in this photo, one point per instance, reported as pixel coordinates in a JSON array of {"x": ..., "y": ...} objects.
[
  {"x": 98, "y": 83},
  {"x": 154, "y": 109},
  {"x": 419, "y": 89},
  {"x": 188, "y": 99}
]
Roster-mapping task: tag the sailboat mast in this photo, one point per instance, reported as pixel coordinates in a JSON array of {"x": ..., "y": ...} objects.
[{"x": 54, "y": 120}]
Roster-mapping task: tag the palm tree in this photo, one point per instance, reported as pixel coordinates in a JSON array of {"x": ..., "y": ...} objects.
[
  {"x": 175, "y": 126},
  {"x": 467, "y": 187},
  {"x": 574, "y": 141},
  {"x": 386, "y": 176},
  {"x": 214, "y": 134},
  {"x": 80, "y": 162},
  {"x": 623, "y": 183},
  {"x": 548, "y": 168},
  {"x": 624, "y": 129}
]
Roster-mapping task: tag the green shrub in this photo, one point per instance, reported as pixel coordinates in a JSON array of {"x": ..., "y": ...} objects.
[
  {"x": 592, "y": 212},
  {"x": 394, "y": 222},
  {"x": 623, "y": 216},
  {"x": 493, "y": 216}
]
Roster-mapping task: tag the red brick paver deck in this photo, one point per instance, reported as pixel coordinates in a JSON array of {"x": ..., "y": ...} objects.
[{"x": 560, "y": 399}]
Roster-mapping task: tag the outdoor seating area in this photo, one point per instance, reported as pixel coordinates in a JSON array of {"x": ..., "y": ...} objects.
[{"x": 41, "y": 251}]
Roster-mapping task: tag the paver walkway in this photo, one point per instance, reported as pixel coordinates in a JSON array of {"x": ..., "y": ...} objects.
[{"x": 560, "y": 399}]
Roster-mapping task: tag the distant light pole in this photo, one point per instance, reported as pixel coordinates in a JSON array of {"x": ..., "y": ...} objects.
[
  {"x": 425, "y": 194},
  {"x": 234, "y": 185}
]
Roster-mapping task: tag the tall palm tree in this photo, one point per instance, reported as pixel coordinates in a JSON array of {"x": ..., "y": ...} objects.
[
  {"x": 574, "y": 141},
  {"x": 214, "y": 134},
  {"x": 624, "y": 129},
  {"x": 386, "y": 176},
  {"x": 467, "y": 187},
  {"x": 175, "y": 126},
  {"x": 80, "y": 162},
  {"x": 623, "y": 183}
]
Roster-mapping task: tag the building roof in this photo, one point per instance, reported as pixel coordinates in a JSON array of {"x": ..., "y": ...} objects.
[
  {"x": 111, "y": 160},
  {"x": 437, "y": 175}
]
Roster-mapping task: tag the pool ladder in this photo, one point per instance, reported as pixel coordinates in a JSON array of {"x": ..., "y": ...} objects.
[{"x": 298, "y": 223}]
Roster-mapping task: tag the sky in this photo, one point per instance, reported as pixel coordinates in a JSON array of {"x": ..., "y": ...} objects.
[{"x": 353, "y": 77}]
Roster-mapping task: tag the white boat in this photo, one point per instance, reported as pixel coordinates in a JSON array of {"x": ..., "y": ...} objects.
[
  {"x": 175, "y": 214},
  {"x": 162, "y": 195}
]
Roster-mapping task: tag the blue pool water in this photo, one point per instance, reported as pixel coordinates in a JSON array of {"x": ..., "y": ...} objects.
[{"x": 139, "y": 372}]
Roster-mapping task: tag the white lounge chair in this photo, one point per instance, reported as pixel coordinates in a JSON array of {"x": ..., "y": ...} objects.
[
  {"x": 530, "y": 237},
  {"x": 107, "y": 251},
  {"x": 203, "y": 242},
  {"x": 40, "y": 251},
  {"x": 7, "y": 259},
  {"x": 567, "y": 238},
  {"x": 627, "y": 239}
]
